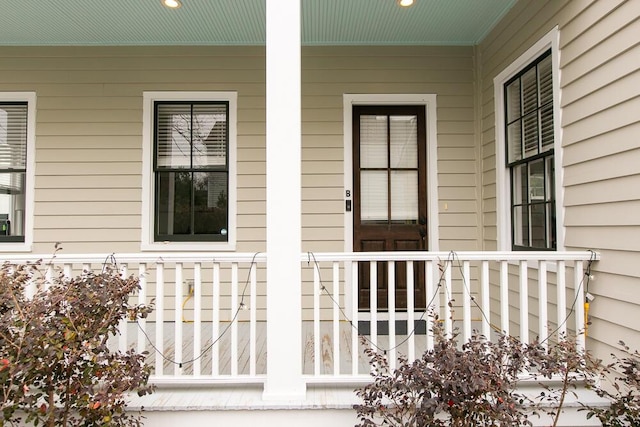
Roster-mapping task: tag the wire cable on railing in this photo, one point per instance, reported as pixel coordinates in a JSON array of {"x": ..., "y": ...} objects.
[
  {"x": 241, "y": 306},
  {"x": 311, "y": 255},
  {"x": 449, "y": 263},
  {"x": 586, "y": 275}
]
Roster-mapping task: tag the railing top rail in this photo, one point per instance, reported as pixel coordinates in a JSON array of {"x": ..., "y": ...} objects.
[
  {"x": 225, "y": 257},
  {"x": 453, "y": 255},
  {"x": 163, "y": 257}
]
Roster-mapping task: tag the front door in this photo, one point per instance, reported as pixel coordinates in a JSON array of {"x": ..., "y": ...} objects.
[{"x": 389, "y": 196}]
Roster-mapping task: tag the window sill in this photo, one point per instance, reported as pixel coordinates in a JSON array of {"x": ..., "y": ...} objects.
[
  {"x": 189, "y": 246},
  {"x": 14, "y": 247}
]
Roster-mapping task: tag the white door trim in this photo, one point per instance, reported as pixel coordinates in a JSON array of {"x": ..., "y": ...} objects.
[{"x": 429, "y": 101}]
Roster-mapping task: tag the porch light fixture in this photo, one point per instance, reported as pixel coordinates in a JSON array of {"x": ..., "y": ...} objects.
[
  {"x": 405, "y": 3},
  {"x": 171, "y": 4}
]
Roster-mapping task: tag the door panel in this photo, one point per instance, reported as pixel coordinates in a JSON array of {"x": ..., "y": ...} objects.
[{"x": 390, "y": 203}]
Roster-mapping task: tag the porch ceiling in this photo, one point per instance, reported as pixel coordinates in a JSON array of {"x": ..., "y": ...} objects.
[{"x": 242, "y": 22}]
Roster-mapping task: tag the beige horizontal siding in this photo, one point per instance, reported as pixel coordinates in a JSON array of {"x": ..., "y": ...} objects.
[{"x": 600, "y": 100}]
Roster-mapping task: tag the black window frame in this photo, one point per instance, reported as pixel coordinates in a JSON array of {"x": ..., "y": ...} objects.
[
  {"x": 9, "y": 238},
  {"x": 546, "y": 157},
  {"x": 157, "y": 170}
]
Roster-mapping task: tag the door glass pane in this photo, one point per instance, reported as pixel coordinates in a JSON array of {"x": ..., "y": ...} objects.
[
  {"x": 404, "y": 141},
  {"x": 404, "y": 196},
  {"x": 373, "y": 142},
  {"x": 373, "y": 196}
]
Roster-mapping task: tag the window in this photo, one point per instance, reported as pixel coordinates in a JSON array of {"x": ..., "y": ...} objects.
[
  {"x": 529, "y": 134},
  {"x": 17, "y": 111},
  {"x": 192, "y": 174},
  {"x": 528, "y": 172}
]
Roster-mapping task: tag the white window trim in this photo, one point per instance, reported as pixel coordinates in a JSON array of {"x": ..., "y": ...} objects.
[
  {"x": 30, "y": 99},
  {"x": 551, "y": 40},
  {"x": 147, "y": 242}
]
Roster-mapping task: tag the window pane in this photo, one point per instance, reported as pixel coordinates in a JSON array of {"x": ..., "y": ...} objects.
[
  {"x": 514, "y": 143},
  {"x": 210, "y": 203},
  {"x": 374, "y": 196},
  {"x": 519, "y": 184},
  {"x": 546, "y": 127},
  {"x": 373, "y": 141},
  {"x": 529, "y": 91},
  {"x": 12, "y": 204},
  {"x": 173, "y": 202},
  {"x": 404, "y": 141},
  {"x": 538, "y": 225},
  {"x": 536, "y": 181},
  {"x": 520, "y": 225},
  {"x": 209, "y": 135},
  {"x": 13, "y": 135},
  {"x": 513, "y": 101},
  {"x": 404, "y": 196},
  {"x": 530, "y": 122},
  {"x": 545, "y": 78},
  {"x": 173, "y": 135}
]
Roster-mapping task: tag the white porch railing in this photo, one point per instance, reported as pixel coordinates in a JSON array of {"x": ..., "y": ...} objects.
[
  {"x": 527, "y": 294},
  {"x": 207, "y": 325},
  {"x": 209, "y": 322}
]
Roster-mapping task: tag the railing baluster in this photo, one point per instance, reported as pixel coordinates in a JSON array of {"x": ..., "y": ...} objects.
[
  {"x": 373, "y": 304},
  {"x": 392, "y": 313},
  {"x": 336, "y": 318},
  {"x": 448, "y": 303},
  {"x": 177, "y": 369},
  {"x": 316, "y": 320},
  {"x": 253, "y": 319},
  {"x": 215, "y": 321},
  {"x": 466, "y": 301},
  {"x": 123, "y": 327},
  {"x": 486, "y": 300},
  {"x": 562, "y": 300},
  {"x": 578, "y": 281},
  {"x": 68, "y": 268},
  {"x": 234, "y": 323},
  {"x": 504, "y": 297},
  {"x": 354, "y": 315},
  {"x": 142, "y": 299},
  {"x": 524, "y": 302},
  {"x": 543, "y": 303},
  {"x": 197, "y": 317},
  {"x": 411, "y": 344},
  {"x": 159, "y": 312},
  {"x": 430, "y": 292}
]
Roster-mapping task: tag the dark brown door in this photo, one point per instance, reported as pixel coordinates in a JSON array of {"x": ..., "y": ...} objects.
[{"x": 389, "y": 195}]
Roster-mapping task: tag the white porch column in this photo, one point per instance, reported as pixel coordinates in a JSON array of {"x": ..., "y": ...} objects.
[{"x": 284, "y": 341}]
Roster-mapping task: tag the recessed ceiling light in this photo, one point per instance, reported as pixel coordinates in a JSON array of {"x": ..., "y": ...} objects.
[
  {"x": 172, "y": 4},
  {"x": 405, "y": 3}
]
